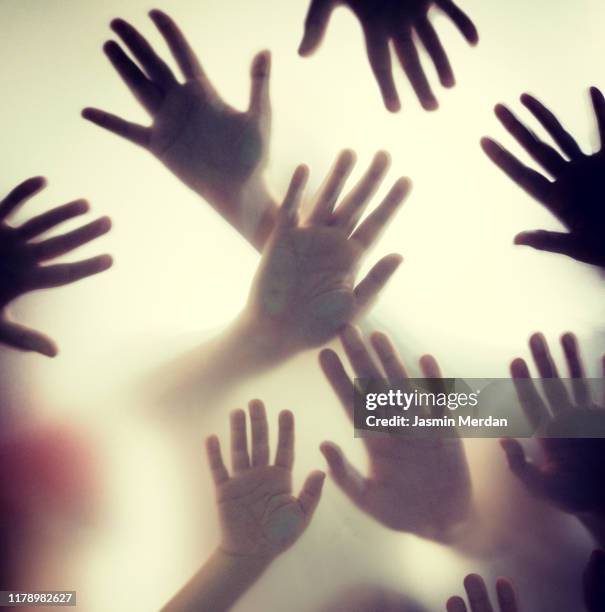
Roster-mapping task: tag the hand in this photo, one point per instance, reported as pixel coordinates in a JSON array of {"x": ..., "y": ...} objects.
[
  {"x": 594, "y": 582},
  {"x": 572, "y": 473},
  {"x": 217, "y": 151},
  {"x": 574, "y": 197},
  {"x": 478, "y": 596},
  {"x": 421, "y": 486},
  {"x": 304, "y": 289},
  {"x": 386, "y": 20},
  {"x": 20, "y": 259},
  {"x": 259, "y": 516}
]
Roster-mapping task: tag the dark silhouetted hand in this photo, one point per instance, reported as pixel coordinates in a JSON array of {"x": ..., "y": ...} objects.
[
  {"x": 576, "y": 194},
  {"x": 217, "y": 151},
  {"x": 304, "y": 290},
  {"x": 417, "y": 485},
  {"x": 21, "y": 257},
  {"x": 384, "y": 21},
  {"x": 478, "y": 596}
]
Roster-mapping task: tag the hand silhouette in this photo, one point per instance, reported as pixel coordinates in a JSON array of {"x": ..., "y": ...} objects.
[
  {"x": 304, "y": 289},
  {"x": 259, "y": 516},
  {"x": 217, "y": 151},
  {"x": 572, "y": 473},
  {"x": 594, "y": 582},
  {"x": 21, "y": 257},
  {"x": 421, "y": 486},
  {"x": 383, "y": 21},
  {"x": 574, "y": 197},
  {"x": 478, "y": 596}
]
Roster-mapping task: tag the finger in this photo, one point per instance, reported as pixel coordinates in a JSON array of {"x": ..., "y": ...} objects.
[
  {"x": 58, "y": 275},
  {"x": 25, "y": 339},
  {"x": 260, "y": 433},
  {"x": 507, "y": 598},
  {"x": 60, "y": 245},
  {"x": 530, "y": 400},
  {"x": 581, "y": 392},
  {"x": 134, "y": 132},
  {"x": 20, "y": 194},
  {"x": 316, "y": 24},
  {"x": 284, "y": 455},
  {"x": 389, "y": 357},
  {"x": 144, "y": 90},
  {"x": 155, "y": 67},
  {"x": 332, "y": 187},
  {"x": 375, "y": 281},
  {"x": 551, "y": 242},
  {"x": 527, "y": 472},
  {"x": 372, "y": 228},
  {"x": 434, "y": 48},
  {"x": 288, "y": 213},
  {"x": 215, "y": 460},
  {"x": 379, "y": 56},
  {"x": 410, "y": 62},
  {"x": 544, "y": 154},
  {"x": 46, "y": 221},
  {"x": 184, "y": 55},
  {"x": 456, "y": 604},
  {"x": 361, "y": 361},
  {"x": 598, "y": 102},
  {"x": 461, "y": 20},
  {"x": 240, "y": 460},
  {"x": 430, "y": 370},
  {"x": 260, "y": 102},
  {"x": 339, "y": 380},
  {"x": 552, "y": 125},
  {"x": 531, "y": 181},
  {"x": 353, "y": 205},
  {"x": 476, "y": 591},
  {"x": 554, "y": 389},
  {"x": 310, "y": 493},
  {"x": 343, "y": 473}
]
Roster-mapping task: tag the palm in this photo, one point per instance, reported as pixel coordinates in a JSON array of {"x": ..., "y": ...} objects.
[{"x": 258, "y": 514}]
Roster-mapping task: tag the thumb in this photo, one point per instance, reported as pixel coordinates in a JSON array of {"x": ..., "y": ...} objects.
[
  {"x": 310, "y": 493},
  {"x": 344, "y": 474},
  {"x": 553, "y": 242},
  {"x": 25, "y": 339},
  {"x": 259, "y": 92},
  {"x": 524, "y": 470},
  {"x": 316, "y": 24}
]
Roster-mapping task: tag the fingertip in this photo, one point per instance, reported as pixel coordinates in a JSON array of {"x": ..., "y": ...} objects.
[
  {"x": 537, "y": 342},
  {"x": 286, "y": 418},
  {"x": 518, "y": 368},
  {"x": 105, "y": 223},
  {"x": 568, "y": 340},
  {"x": 104, "y": 262},
  {"x": 382, "y": 159},
  {"x": 393, "y": 104},
  {"x": 430, "y": 104}
]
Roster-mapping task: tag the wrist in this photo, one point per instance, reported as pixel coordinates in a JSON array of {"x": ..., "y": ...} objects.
[{"x": 251, "y": 566}]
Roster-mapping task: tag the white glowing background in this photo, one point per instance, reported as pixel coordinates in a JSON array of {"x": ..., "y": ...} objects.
[{"x": 464, "y": 292}]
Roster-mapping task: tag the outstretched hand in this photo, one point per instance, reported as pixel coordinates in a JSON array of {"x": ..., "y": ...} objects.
[
  {"x": 304, "y": 290},
  {"x": 417, "y": 485},
  {"x": 217, "y": 151},
  {"x": 575, "y": 196},
  {"x": 22, "y": 256},
  {"x": 572, "y": 473},
  {"x": 478, "y": 596},
  {"x": 259, "y": 516},
  {"x": 384, "y": 21}
]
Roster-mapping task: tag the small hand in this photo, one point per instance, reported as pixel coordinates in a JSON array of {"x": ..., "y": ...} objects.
[
  {"x": 304, "y": 289},
  {"x": 21, "y": 257},
  {"x": 421, "y": 486},
  {"x": 572, "y": 473},
  {"x": 259, "y": 516},
  {"x": 394, "y": 20},
  {"x": 576, "y": 195},
  {"x": 217, "y": 151},
  {"x": 478, "y": 596}
]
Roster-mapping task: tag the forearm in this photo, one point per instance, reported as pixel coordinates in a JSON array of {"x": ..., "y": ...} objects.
[{"x": 221, "y": 581}]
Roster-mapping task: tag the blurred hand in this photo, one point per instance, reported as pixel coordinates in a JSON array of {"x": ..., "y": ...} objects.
[
  {"x": 217, "y": 151},
  {"x": 594, "y": 582},
  {"x": 259, "y": 516},
  {"x": 21, "y": 256},
  {"x": 572, "y": 473},
  {"x": 304, "y": 290},
  {"x": 575, "y": 196},
  {"x": 384, "y": 21},
  {"x": 478, "y": 596},
  {"x": 421, "y": 486}
]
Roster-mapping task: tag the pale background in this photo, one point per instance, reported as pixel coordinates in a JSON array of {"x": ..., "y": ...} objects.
[{"x": 464, "y": 292}]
